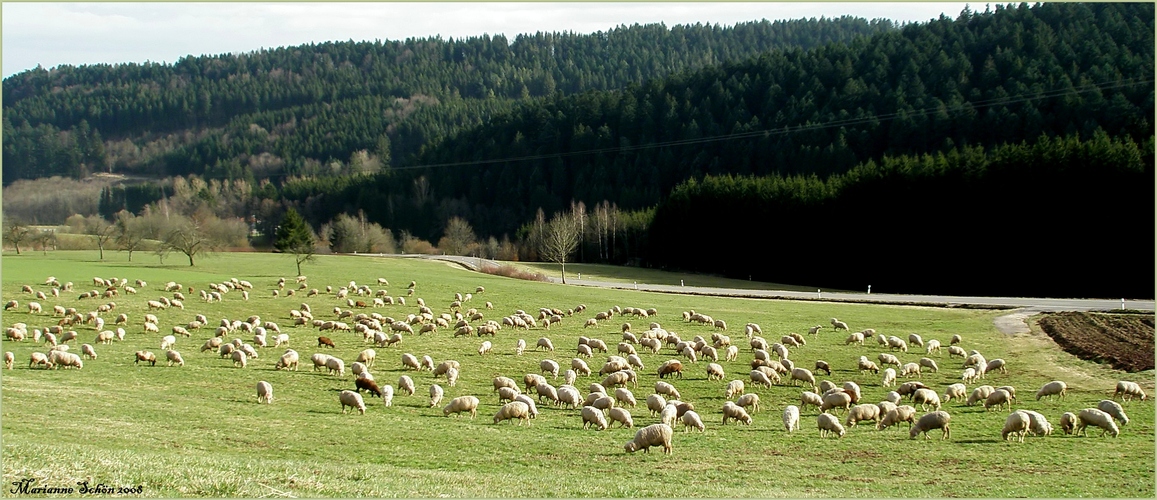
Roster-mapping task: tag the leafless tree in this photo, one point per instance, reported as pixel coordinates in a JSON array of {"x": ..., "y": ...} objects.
[{"x": 560, "y": 238}]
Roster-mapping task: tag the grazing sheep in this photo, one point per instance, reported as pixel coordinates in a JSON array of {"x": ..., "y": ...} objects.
[
  {"x": 791, "y": 418},
  {"x": 436, "y": 393},
  {"x": 691, "y": 420},
  {"x": 853, "y": 390},
  {"x": 980, "y": 394},
  {"x": 969, "y": 375},
  {"x": 998, "y": 398},
  {"x": 656, "y": 403},
  {"x": 1038, "y": 425},
  {"x": 549, "y": 366},
  {"x": 835, "y": 398},
  {"x": 889, "y": 378},
  {"x": 810, "y": 398},
  {"x": 352, "y": 400},
  {"x": 1068, "y": 422},
  {"x": 934, "y": 420},
  {"x": 955, "y": 391},
  {"x": 9, "y": 358},
  {"x": 930, "y": 364},
  {"x": 624, "y": 396},
  {"x": 651, "y": 435},
  {"x": 621, "y": 416},
  {"x": 915, "y": 340},
  {"x": 994, "y": 365},
  {"x": 335, "y": 366},
  {"x": 760, "y": 378},
  {"x": 855, "y": 338},
  {"x": 955, "y": 340},
  {"x": 367, "y": 357},
  {"x": 85, "y": 350},
  {"x": 733, "y": 388},
  {"x": 828, "y": 424},
  {"x": 173, "y": 357},
  {"x": 897, "y": 343},
  {"x": 839, "y": 325},
  {"x": 893, "y": 417},
  {"x": 669, "y": 414},
  {"x": 927, "y": 397},
  {"x": 822, "y": 365},
  {"x": 669, "y": 367},
  {"x": 239, "y": 358},
  {"x": 866, "y": 365},
  {"x": 955, "y": 351},
  {"x": 145, "y": 356},
  {"x": 893, "y": 397},
  {"x": 1015, "y": 425},
  {"x": 735, "y": 412},
  {"x": 593, "y": 416},
  {"x": 1056, "y": 387},
  {"x": 933, "y": 346},
  {"x": 1113, "y": 409},
  {"x": 544, "y": 343},
  {"x": 1129, "y": 390},
  {"x": 862, "y": 412},
  {"x": 1096, "y": 418},
  {"x": 803, "y": 375},
  {"x": 264, "y": 392},
  {"x": 406, "y": 385},
  {"x": 910, "y": 369},
  {"x": 464, "y": 403}
]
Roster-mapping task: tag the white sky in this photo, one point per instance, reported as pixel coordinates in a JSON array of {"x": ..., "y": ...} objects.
[{"x": 50, "y": 34}]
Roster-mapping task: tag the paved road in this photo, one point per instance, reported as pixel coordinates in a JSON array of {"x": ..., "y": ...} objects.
[{"x": 1028, "y": 304}]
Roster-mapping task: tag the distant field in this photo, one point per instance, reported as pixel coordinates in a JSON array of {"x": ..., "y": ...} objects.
[
  {"x": 623, "y": 274},
  {"x": 198, "y": 430}
]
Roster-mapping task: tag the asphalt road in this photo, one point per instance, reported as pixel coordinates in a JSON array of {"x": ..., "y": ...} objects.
[{"x": 1028, "y": 304}]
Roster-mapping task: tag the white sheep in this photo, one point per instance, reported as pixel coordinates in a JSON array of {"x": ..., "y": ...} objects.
[
  {"x": 735, "y": 412},
  {"x": 733, "y": 388},
  {"x": 1096, "y": 418},
  {"x": 239, "y": 358},
  {"x": 1015, "y": 425},
  {"x": 915, "y": 340},
  {"x": 1038, "y": 425},
  {"x": 1056, "y": 387},
  {"x": 810, "y": 398},
  {"x": 1068, "y": 422},
  {"x": 934, "y": 420},
  {"x": 436, "y": 394},
  {"x": 866, "y": 365},
  {"x": 1128, "y": 390},
  {"x": 998, "y": 398},
  {"x": 930, "y": 364},
  {"x": 926, "y": 397},
  {"x": 803, "y": 375},
  {"x": 933, "y": 346},
  {"x": 668, "y": 389},
  {"x": 173, "y": 357},
  {"x": 656, "y": 403},
  {"x": 168, "y": 341},
  {"x": 651, "y": 435},
  {"x": 512, "y": 411},
  {"x": 791, "y": 418},
  {"x": 265, "y": 393},
  {"x": 549, "y": 366},
  {"x": 980, "y": 394},
  {"x": 889, "y": 378},
  {"x": 624, "y": 396},
  {"x": 388, "y": 394},
  {"x": 622, "y": 416},
  {"x": 461, "y": 404},
  {"x": 957, "y": 391},
  {"x": 910, "y": 369},
  {"x": 955, "y": 351},
  {"x": 829, "y": 424},
  {"x": 9, "y": 358},
  {"x": 352, "y": 400},
  {"x": 691, "y": 420},
  {"x": 893, "y": 397},
  {"x": 835, "y": 398},
  {"x": 406, "y": 385},
  {"x": 335, "y": 366},
  {"x": 1113, "y": 409},
  {"x": 749, "y": 400},
  {"x": 994, "y": 365},
  {"x": 862, "y": 412}
]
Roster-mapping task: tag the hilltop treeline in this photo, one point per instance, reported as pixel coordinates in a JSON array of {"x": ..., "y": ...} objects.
[
  {"x": 1052, "y": 218},
  {"x": 294, "y": 110}
]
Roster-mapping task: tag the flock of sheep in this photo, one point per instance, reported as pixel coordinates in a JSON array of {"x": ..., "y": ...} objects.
[{"x": 608, "y": 400}]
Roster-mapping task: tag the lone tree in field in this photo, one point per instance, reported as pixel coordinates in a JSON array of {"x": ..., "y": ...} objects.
[
  {"x": 100, "y": 229},
  {"x": 559, "y": 239},
  {"x": 16, "y": 232},
  {"x": 295, "y": 236},
  {"x": 187, "y": 236},
  {"x": 130, "y": 232}
]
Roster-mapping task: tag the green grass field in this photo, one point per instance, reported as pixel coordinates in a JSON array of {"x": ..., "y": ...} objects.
[{"x": 198, "y": 430}]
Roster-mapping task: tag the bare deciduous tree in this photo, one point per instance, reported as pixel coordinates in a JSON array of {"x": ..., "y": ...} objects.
[
  {"x": 16, "y": 232},
  {"x": 559, "y": 239}
]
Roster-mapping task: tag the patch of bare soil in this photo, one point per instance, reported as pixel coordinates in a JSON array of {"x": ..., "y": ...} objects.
[{"x": 1124, "y": 341}]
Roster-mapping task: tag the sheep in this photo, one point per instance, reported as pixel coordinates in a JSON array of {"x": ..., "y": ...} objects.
[
  {"x": 1056, "y": 387},
  {"x": 544, "y": 343},
  {"x": 888, "y": 359},
  {"x": 85, "y": 350},
  {"x": 410, "y": 361},
  {"x": 828, "y": 424},
  {"x": 810, "y": 398},
  {"x": 815, "y": 330},
  {"x": 593, "y": 417},
  {"x": 930, "y": 364},
  {"x": 734, "y": 387},
  {"x": 436, "y": 393},
  {"x": 934, "y": 420},
  {"x": 1128, "y": 390},
  {"x": 669, "y": 367},
  {"x": 691, "y": 420},
  {"x": 1097, "y": 418},
  {"x": 60, "y": 358},
  {"x": 145, "y": 356},
  {"x": 10, "y": 358},
  {"x": 1038, "y": 425},
  {"x": 835, "y": 398},
  {"x": 406, "y": 385},
  {"x": 980, "y": 394},
  {"x": 239, "y": 358},
  {"x": 1011, "y": 391},
  {"x": 998, "y": 398},
  {"x": 933, "y": 346},
  {"x": 1113, "y": 409},
  {"x": 926, "y": 397},
  {"x": 656, "y": 403},
  {"x": 326, "y": 341},
  {"x": 969, "y": 375},
  {"x": 955, "y": 391},
  {"x": 862, "y": 412},
  {"x": 168, "y": 341},
  {"x": 445, "y": 367},
  {"x": 996, "y": 364},
  {"x": 791, "y": 418},
  {"x": 34, "y": 308},
  {"x": 388, "y": 394},
  {"x": 760, "y": 378},
  {"x": 909, "y": 388},
  {"x": 1068, "y": 421},
  {"x": 803, "y": 375},
  {"x": 855, "y": 338},
  {"x": 897, "y": 343},
  {"x": 173, "y": 357},
  {"x": 955, "y": 351},
  {"x": 889, "y": 378},
  {"x": 915, "y": 340},
  {"x": 885, "y": 407},
  {"x": 624, "y": 396},
  {"x": 621, "y": 416},
  {"x": 714, "y": 371},
  {"x": 352, "y": 400},
  {"x": 265, "y": 392},
  {"x": 731, "y": 354},
  {"x": 461, "y": 404},
  {"x": 866, "y": 365},
  {"x": 910, "y": 369},
  {"x": 651, "y": 435},
  {"x": 735, "y": 412},
  {"x": 955, "y": 340},
  {"x": 368, "y": 357},
  {"x": 547, "y": 390},
  {"x": 1015, "y": 425},
  {"x": 839, "y": 325},
  {"x": 427, "y": 364}
]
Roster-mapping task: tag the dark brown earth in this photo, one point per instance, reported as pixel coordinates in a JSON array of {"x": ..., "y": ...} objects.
[{"x": 1124, "y": 341}]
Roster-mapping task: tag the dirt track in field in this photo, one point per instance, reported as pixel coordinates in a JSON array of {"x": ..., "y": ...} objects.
[{"x": 1124, "y": 341}]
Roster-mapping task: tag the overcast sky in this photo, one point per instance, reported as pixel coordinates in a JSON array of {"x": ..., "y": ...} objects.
[{"x": 51, "y": 34}]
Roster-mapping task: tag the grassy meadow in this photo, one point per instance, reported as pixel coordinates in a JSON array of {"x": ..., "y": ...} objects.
[{"x": 198, "y": 430}]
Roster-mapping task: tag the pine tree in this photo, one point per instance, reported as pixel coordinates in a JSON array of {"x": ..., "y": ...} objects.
[{"x": 295, "y": 236}]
